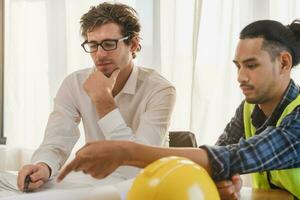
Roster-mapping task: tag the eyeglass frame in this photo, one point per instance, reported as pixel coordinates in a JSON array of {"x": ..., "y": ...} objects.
[{"x": 100, "y": 44}]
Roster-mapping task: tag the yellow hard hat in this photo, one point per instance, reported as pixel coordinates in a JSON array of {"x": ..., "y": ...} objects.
[{"x": 173, "y": 178}]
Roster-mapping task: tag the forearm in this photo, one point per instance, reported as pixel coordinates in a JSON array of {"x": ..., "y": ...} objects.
[
  {"x": 140, "y": 155},
  {"x": 60, "y": 136},
  {"x": 149, "y": 122},
  {"x": 148, "y": 132},
  {"x": 104, "y": 104},
  {"x": 273, "y": 149}
]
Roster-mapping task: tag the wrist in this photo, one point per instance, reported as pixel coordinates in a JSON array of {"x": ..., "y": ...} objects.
[
  {"x": 205, "y": 161},
  {"x": 104, "y": 105},
  {"x": 132, "y": 158},
  {"x": 45, "y": 166},
  {"x": 105, "y": 96},
  {"x": 127, "y": 150}
]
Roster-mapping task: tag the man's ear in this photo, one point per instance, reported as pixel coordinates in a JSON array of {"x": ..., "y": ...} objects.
[
  {"x": 135, "y": 44},
  {"x": 286, "y": 61}
]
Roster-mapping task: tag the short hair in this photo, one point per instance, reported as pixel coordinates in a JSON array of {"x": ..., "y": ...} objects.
[
  {"x": 277, "y": 37},
  {"x": 123, "y": 15}
]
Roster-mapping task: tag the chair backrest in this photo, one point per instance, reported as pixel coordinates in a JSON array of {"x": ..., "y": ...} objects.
[{"x": 182, "y": 139}]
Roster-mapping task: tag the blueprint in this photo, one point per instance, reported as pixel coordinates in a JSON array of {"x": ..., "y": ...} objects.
[{"x": 76, "y": 186}]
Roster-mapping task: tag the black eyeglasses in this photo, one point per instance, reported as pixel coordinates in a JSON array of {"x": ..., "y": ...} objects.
[{"x": 107, "y": 45}]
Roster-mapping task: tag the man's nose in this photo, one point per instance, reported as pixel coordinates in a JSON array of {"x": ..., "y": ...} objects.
[
  {"x": 101, "y": 52},
  {"x": 242, "y": 75}
]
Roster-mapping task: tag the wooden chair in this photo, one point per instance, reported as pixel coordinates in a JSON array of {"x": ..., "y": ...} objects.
[{"x": 182, "y": 139}]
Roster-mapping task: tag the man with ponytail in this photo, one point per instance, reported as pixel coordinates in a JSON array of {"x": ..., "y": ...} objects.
[{"x": 263, "y": 137}]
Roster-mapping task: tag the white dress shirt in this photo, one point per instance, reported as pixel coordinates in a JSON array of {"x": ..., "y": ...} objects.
[{"x": 143, "y": 112}]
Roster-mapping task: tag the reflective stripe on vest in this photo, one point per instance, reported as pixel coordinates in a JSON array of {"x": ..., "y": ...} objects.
[{"x": 288, "y": 179}]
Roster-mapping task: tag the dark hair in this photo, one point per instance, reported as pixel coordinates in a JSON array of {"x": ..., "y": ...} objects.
[
  {"x": 277, "y": 37},
  {"x": 125, "y": 16}
]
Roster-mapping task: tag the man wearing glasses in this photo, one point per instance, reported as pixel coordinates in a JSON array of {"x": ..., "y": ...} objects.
[{"x": 115, "y": 99}]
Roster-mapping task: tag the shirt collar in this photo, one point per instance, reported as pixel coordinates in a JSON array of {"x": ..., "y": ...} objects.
[
  {"x": 258, "y": 117},
  {"x": 130, "y": 85}
]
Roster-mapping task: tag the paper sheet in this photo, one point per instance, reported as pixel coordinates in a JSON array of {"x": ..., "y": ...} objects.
[
  {"x": 76, "y": 186},
  {"x": 8, "y": 184}
]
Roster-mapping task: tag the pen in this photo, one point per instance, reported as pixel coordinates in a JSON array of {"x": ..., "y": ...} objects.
[{"x": 26, "y": 183}]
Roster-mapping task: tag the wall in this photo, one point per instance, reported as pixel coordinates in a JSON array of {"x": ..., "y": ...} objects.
[{"x": 2, "y": 140}]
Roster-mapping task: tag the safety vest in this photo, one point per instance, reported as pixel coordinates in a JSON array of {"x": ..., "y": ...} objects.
[{"x": 288, "y": 179}]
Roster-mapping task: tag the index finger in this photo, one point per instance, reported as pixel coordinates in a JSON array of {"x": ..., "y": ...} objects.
[
  {"x": 115, "y": 74},
  {"x": 70, "y": 167}
]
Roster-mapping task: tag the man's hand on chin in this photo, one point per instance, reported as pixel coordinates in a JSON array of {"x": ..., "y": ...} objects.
[{"x": 99, "y": 88}]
